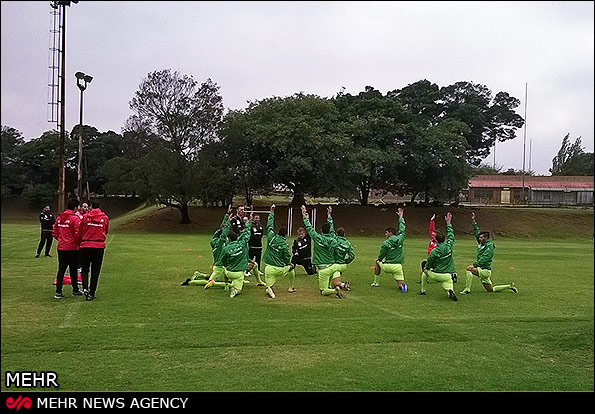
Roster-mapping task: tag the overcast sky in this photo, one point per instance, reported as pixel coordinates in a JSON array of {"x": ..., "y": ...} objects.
[{"x": 255, "y": 50}]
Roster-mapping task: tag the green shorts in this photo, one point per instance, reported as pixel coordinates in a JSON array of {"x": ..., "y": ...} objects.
[
  {"x": 338, "y": 269},
  {"x": 236, "y": 279},
  {"x": 218, "y": 274},
  {"x": 485, "y": 275},
  {"x": 395, "y": 270},
  {"x": 272, "y": 273},
  {"x": 445, "y": 279},
  {"x": 325, "y": 272}
]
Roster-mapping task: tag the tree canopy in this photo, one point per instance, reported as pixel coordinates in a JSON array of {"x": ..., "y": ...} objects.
[{"x": 178, "y": 147}]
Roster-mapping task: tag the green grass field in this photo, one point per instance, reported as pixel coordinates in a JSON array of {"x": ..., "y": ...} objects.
[{"x": 146, "y": 332}]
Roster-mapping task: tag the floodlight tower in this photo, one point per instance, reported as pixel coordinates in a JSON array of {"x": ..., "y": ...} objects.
[
  {"x": 80, "y": 78},
  {"x": 61, "y": 6}
]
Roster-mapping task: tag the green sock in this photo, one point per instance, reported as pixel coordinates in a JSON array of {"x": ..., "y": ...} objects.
[
  {"x": 256, "y": 274},
  {"x": 468, "y": 280},
  {"x": 292, "y": 279},
  {"x": 424, "y": 280},
  {"x": 198, "y": 282},
  {"x": 269, "y": 280},
  {"x": 376, "y": 278},
  {"x": 199, "y": 275},
  {"x": 328, "y": 292},
  {"x": 501, "y": 287}
]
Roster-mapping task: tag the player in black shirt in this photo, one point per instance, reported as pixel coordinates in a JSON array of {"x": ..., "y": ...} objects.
[
  {"x": 237, "y": 220},
  {"x": 47, "y": 219},
  {"x": 302, "y": 251},
  {"x": 255, "y": 242}
]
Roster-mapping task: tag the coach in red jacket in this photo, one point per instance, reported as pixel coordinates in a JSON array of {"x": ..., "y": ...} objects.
[
  {"x": 66, "y": 231},
  {"x": 93, "y": 229}
]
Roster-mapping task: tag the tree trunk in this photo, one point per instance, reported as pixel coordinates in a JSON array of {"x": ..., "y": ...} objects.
[
  {"x": 298, "y": 199},
  {"x": 249, "y": 195},
  {"x": 364, "y": 193},
  {"x": 185, "y": 215}
]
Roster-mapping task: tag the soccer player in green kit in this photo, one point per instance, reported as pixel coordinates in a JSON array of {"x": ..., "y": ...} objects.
[
  {"x": 344, "y": 255},
  {"x": 391, "y": 258},
  {"x": 235, "y": 258},
  {"x": 323, "y": 254},
  {"x": 482, "y": 267},
  {"x": 440, "y": 264},
  {"x": 217, "y": 277},
  {"x": 277, "y": 257}
]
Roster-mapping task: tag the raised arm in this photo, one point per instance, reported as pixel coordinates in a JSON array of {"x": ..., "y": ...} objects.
[
  {"x": 329, "y": 218},
  {"x": 475, "y": 226},
  {"x": 271, "y": 223},
  {"x": 450, "y": 233},
  {"x": 432, "y": 225},
  {"x": 307, "y": 224},
  {"x": 401, "y": 231}
]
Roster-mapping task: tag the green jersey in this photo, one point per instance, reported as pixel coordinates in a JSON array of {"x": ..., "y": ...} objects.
[
  {"x": 391, "y": 250},
  {"x": 218, "y": 241},
  {"x": 324, "y": 244},
  {"x": 343, "y": 253},
  {"x": 440, "y": 259},
  {"x": 235, "y": 253},
  {"x": 485, "y": 251},
  {"x": 277, "y": 251}
]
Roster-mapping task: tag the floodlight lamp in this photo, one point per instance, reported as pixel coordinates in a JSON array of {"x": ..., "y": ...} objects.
[
  {"x": 88, "y": 78},
  {"x": 79, "y": 75}
]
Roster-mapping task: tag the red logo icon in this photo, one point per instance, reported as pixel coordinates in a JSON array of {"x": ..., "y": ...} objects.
[{"x": 18, "y": 403}]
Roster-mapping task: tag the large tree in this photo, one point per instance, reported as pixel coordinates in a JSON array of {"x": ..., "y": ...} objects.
[
  {"x": 435, "y": 162},
  {"x": 489, "y": 118},
  {"x": 572, "y": 159},
  {"x": 377, "y": 126},
  {"x": 238, "y": 154},
  {"x": 298, "y": 141},
  {"x": 185, "y": 116}
]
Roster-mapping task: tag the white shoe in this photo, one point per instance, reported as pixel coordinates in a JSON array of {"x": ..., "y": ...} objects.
[
  {"x": 375, "y": 284},
  {"x": 292, "y": 290},
  {"x": 270, "y": 292},
  {"x": 234, "y": 292}
]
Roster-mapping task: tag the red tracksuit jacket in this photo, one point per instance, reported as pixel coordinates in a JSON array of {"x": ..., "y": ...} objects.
[
  {"x": 94, "y": 228},
  {"x": 66, "y": 230}
]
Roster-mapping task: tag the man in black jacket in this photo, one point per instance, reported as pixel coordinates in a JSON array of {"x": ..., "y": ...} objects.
[
  {"x": 302, "y": 251},
  {"x": 47, "y": 219}
]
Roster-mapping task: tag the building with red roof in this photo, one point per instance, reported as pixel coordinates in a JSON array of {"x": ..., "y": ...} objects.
[{"x": 543, "y": 190}]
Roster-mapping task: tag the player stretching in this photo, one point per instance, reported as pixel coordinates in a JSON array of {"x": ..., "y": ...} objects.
[
  {"x": 344, "y": 255},
  {"x": 390, "y": 258},
  {"x": 482, "y": 267},
  {"x": 277, "y": 257},
  {"x": 323, "y": 255},
  {"x": 217, "y": 277},
  {"x": 235, "y": 258},
  {"x": 440, "y": 264}
]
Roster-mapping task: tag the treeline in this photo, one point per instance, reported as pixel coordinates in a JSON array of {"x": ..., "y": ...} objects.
[{"x": 179, "y": 146}]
